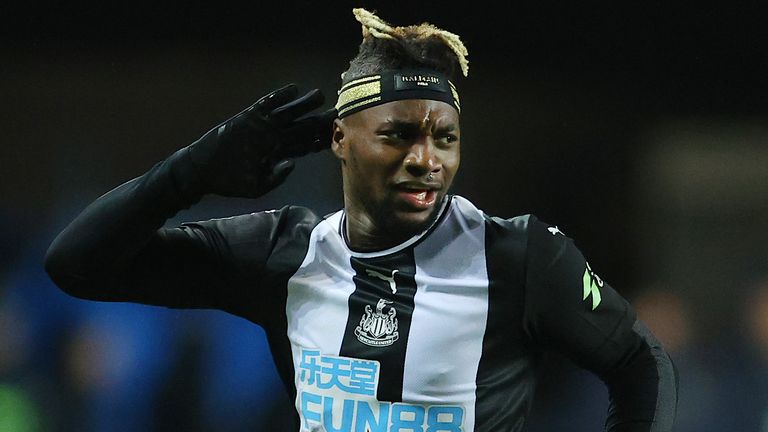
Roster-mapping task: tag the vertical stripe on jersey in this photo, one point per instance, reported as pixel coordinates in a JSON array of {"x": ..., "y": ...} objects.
[
  {"x": 505, "y": 380},
  {"x": 288, "y": 253},
  {"x": 316, "y": 305},
  {"x": 449, "y": 318},
  {"x": 370, "y": 289}
]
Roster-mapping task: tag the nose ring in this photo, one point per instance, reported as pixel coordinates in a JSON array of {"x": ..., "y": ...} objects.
[{"x": 429, "y": 177}]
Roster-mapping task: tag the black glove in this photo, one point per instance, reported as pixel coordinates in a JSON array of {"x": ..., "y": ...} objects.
[{"x": 250, "y": 154}]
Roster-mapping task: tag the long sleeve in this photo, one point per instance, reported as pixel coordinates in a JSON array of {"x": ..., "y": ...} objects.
[
  {"x": 571, "y": 309},
  {"x": 116, "y": 250}
]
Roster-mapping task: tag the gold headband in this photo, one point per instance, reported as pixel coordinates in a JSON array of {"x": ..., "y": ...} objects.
[{"x": 372, "y": 90}]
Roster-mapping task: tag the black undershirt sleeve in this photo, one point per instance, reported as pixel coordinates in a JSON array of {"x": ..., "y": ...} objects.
[
  {"x": 117, "y": 250},
  {"x": 571, "y": 309}
]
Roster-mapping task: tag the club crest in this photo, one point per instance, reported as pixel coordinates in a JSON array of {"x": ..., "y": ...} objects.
[{"x": 378, "y": 328}]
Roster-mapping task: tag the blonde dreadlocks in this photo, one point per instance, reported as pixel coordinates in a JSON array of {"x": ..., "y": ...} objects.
[{"x": 422, "y": 45}]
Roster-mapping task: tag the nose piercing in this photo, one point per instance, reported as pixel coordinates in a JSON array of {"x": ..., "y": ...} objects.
[{"x": 429, "y": 177}]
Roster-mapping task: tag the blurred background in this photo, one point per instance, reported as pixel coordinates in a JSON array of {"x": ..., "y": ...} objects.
[{"x": 639, "y": 128}]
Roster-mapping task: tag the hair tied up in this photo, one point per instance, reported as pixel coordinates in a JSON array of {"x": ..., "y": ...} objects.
[{"x": 373, "y": 26}]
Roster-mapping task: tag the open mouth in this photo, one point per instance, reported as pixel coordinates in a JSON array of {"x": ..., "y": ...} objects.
[{"x": 418, "y": 198}]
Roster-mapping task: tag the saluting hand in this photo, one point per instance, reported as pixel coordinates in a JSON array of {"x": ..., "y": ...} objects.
[{"x": 250, "y": 154}]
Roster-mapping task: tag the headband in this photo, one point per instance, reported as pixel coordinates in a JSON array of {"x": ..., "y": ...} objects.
[{"x": 372, "y": 90}]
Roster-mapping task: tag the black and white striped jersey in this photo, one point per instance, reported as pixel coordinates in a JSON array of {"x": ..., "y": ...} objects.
[{"x": 438, "y": 334}]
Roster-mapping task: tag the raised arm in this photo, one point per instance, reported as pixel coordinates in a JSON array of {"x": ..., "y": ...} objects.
[
  {"x": 116, "y": 250},
  {"x": 571, "y": 309}
]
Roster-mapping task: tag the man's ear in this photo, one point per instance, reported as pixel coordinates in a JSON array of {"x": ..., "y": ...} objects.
[{"x": 338, "y": 141}]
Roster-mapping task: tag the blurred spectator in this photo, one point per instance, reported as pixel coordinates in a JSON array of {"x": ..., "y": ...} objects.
[
  {"x": 668, "y": 316},
  {"x": 19, "y": 410},
  {"x": 99, "y": 363},
  {"x": 72, "y": 365},
  {"x": 579, "y": 398},
  {"x": 744, "y": 364}
]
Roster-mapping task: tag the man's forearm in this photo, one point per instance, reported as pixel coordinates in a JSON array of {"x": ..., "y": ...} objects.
[
  {"x": 245, "y": 156},
  {"x": 643, "y": 388},
  {"x": 104, "y": 238}
]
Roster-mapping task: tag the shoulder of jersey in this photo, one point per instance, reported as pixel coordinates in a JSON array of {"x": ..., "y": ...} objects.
[
  {"x": 257, "y": 221},
  {"x": 517, "y": 223}
]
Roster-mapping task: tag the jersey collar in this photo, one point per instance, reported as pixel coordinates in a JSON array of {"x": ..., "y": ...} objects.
[{"x": 410, "y": 242}]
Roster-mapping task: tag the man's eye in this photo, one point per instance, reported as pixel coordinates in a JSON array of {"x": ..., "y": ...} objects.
[
  {"x": 396, "y": 135},
  {"x": 447, "y": 138}
]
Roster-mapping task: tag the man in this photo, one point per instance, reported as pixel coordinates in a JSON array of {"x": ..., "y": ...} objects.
[{"x": 408, "y": 310}]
